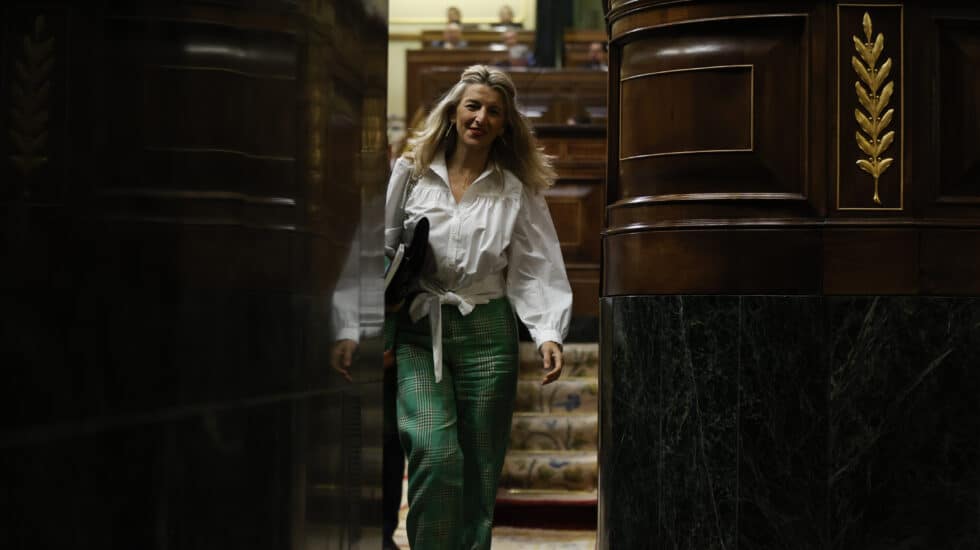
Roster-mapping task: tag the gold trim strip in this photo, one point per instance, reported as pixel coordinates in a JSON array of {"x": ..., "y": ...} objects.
[
  {"x": 676, "y": 153},
  {"x": 751, "y": 147},
  {"x": 645, "y": 200},
  {"x": 901, "y": 154},
  {"x": 688, "y": 70}
]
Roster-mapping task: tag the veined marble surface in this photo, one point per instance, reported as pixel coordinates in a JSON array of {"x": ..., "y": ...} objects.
[{"x": 774, "y": 422}]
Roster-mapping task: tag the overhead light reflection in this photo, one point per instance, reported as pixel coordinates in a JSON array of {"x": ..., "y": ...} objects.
[
  {"x": 226, "y": 50},
  {"x": 215, "y": 49},
  {"x": 689, "y": 50}
]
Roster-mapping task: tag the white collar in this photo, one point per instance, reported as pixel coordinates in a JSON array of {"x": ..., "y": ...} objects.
[{"x": 438, "y": 165}]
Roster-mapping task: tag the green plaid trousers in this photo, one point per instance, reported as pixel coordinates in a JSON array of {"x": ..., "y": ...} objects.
[{"x": 455, "y": 433}]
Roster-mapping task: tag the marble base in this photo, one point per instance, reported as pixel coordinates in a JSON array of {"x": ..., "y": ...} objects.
[{"x": 771, "y": 422}]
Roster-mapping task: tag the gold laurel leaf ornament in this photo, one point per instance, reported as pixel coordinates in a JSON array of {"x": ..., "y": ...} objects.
[
  {"x": 30, "y": 93},
  {"x": 873, "y": 93}
]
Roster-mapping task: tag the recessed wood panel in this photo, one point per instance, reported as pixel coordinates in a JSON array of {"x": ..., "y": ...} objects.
[
  {"x": 951, "y": 261},
  {"x": 670, "y": 110},
  {"x": 582, "y": 149},
  {"x": 712, "y": 261},
  {"x": 570, "y": 212},
  {"x": 576, "y": 208},
  {"x": 959, "y": 110},
  {"x": 215, "y": 112},
  {"x": 871, "y": 261},
  {"x": 584, "y": 280},
  {"x": 577, "y": 148},
  {"x": 713, "y": 106},
  {"x": 732, "y": 174}
]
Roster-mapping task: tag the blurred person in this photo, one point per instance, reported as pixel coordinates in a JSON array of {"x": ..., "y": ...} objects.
[
  {"x": 354, "y": 315},
  {"x": 506, "y": 19},
  {"x": 597, "y": 57},
  {"x": 452, "y": 38},
  {"x": 453, "y": 15},
  {"x": 519, "y": 55}
]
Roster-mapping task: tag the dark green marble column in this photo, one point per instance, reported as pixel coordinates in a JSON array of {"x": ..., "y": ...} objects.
[{"x": 771, "y": 422}]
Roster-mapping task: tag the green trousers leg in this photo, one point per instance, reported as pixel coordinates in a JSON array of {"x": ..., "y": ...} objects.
[{"x": 455, "y": 433}]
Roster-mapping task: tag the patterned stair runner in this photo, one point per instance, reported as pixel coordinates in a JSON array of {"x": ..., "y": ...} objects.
[{"x": 552, "y": 457}]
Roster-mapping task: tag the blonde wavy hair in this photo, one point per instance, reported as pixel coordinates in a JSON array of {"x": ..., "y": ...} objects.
[{"x": 516, "y": 150}]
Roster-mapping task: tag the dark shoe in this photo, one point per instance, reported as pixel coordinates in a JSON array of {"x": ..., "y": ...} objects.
[{"x": 390, "y": 545}]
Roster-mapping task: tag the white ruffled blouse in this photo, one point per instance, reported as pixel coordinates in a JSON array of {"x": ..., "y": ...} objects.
[{"x": 499, "y": 240}]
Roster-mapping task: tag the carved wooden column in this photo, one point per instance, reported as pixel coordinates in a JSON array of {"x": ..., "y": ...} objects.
[{"x": 791, "y": 264}]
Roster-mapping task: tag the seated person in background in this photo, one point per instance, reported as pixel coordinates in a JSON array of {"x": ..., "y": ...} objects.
[
  {"x": 520, "y": 55},
  {"x": 506, "y": 16},
  {"x": 453, "y": 15},
  {"x": 597, "y": 57},
  {"x": 452, "y": 37}
]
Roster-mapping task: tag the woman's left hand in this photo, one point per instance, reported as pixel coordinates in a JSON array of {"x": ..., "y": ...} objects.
[
  {"x": 341, "y": 357},
  {"x": 552, "y": 356}
]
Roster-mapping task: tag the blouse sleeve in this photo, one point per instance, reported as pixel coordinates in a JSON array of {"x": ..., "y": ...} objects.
[
  {"x": 345, "y": 305},
  {"x": 394, "y": 206},
  {"x": 537, "y": 284}
]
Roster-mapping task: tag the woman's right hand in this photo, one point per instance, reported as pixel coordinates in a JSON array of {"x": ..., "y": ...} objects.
[{"x": 342, "y": 356}]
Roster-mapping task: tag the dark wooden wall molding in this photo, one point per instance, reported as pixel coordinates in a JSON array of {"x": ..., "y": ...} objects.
[
  {"x": 547, "y": 96},
  {"x": 576, "y": 203},
  {"x": 957, "y": 174},
  {"x": 734, "y": 148}
]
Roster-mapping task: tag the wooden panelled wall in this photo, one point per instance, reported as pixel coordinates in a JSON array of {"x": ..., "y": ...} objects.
[
  {"x": 576, "y": 203},
  {"x": 735, "y": 148},
  {"x": 485, "y": 48},
  {"x": 479, "y": 38},
  {"x": 547, "y": 97}
]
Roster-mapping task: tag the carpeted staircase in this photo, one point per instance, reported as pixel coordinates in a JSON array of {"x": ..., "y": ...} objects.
[{"x": 550, "y": 476}]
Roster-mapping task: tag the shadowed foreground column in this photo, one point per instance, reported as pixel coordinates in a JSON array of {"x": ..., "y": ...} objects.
[{"x": 183, "y": 184}]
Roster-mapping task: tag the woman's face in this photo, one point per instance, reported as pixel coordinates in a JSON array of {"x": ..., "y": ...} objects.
[{"x": 480, "y": 116}]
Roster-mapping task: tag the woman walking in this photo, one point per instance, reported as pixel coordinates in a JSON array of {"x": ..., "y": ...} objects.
[{"x": 475, "y": 171}]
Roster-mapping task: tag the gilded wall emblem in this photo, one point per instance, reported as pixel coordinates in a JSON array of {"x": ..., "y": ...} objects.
[
  {"x": 874, "y": 91},
  {"x": 30, "y": 91}
]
